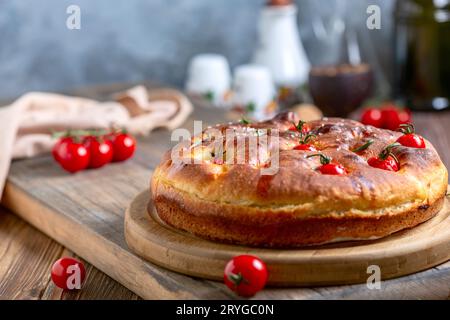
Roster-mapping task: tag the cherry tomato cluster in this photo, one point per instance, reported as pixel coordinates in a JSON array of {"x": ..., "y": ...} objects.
[
  {"x": 245, "y": 275},
  {"x": 386, "y": 159},
  {"x": 79, "y": 150},
  {"x": 388, "y": 116},
  {"x": 68, "y": 273}
]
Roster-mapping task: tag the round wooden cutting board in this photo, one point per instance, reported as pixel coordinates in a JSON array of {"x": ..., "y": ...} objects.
[{"x": 402, "y": 253}]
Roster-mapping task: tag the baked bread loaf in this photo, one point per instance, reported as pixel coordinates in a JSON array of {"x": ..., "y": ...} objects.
[{"x": 300, "y": 204}]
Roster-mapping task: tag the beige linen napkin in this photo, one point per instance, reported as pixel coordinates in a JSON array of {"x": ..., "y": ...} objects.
[{"x": 26, "y": 126}]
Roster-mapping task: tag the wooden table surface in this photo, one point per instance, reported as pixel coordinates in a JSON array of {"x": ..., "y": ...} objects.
[{"x": 26, "y": 254}]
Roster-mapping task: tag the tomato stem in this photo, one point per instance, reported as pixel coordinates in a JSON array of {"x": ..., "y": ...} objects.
[
  {"x": 386, "y": 152},
  {"x": 407, "y": 128},
  {"x": 237, "y": 279},
  {"x": 116, "y": 129},
  {"x": 323, "y": 159},
  {"x": 79, "y": 133},
  {"x": 363, "y": 147},
  {"x": 299, "y": 125},
  {"x": 308, "y": 137},
  {"x": 60, "y": 134},
  {"x": 299, "y": 128}
]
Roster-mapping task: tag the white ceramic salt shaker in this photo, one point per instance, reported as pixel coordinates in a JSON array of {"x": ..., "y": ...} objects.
[
  {"x": 253, "y": 86},
  {"x": 209, "y": 75}
]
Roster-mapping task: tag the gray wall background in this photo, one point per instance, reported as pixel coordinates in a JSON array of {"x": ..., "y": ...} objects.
[{"x": 133, "y": 40}]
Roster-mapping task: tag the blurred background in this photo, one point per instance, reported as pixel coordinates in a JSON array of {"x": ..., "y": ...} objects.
[
  {"x": 136, "y": 40},
  {"x": 133, "y": 40}
]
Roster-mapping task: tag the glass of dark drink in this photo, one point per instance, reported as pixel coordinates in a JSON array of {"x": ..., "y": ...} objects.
[{"x": 340, "y": 89}]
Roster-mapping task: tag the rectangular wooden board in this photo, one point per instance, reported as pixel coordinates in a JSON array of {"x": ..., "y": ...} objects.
[{"x": 85, "y": 211}]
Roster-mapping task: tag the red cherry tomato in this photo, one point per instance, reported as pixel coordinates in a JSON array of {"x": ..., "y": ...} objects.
[
  {"x": 101, "y": 151},
  {"x": 246, "y": 275},
  {"x": 68, "y": 273},
  {"x": 71, "y": 155},
  {"x": 327, "y": 167},
  {"x": 393, "y": 117},
  {"x": 372, "y": 117},
  {"x": 124, "y": 146},
  {"x": 305, "y": 129},
  {"x": 58, "y": 146},
  {"x": 412, "y": 140},
  {"x": 332, "y": 169},
  {"x": 305, "y": 147},
  {"x": 389, "y": 163}
]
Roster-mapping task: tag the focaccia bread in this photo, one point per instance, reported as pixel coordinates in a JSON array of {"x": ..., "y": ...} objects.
[{"x": 299, "y": 205}]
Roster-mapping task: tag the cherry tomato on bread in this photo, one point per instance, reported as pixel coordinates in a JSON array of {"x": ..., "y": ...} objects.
[
  {"x": 386, "y": 160},
  {"x": 332, "y": 169},
  {"x": 410, "y": 138},
  {"x": 304, "y": 142},
  {"x": 327, "y": 167},
  {"x": 305, "y": 147},
  {"x": 388, "y": 163}
]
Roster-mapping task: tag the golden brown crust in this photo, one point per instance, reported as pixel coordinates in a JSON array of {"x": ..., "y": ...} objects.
[
  {"x": 294, "y": 232},
  {"x": 225, "y": 201}
]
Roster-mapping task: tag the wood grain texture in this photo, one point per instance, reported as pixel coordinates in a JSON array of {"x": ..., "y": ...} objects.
[
  {"x": 404, "y": 252},
  {"x": 97, "y": 285},
  {"x": 87, "y": 215},
  {"x": 26, "y": 258},
  {"x": 84, "y": 212}
]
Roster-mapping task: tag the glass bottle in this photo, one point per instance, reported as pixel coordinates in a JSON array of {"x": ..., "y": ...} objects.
[{"x": 422, "y": 54}]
